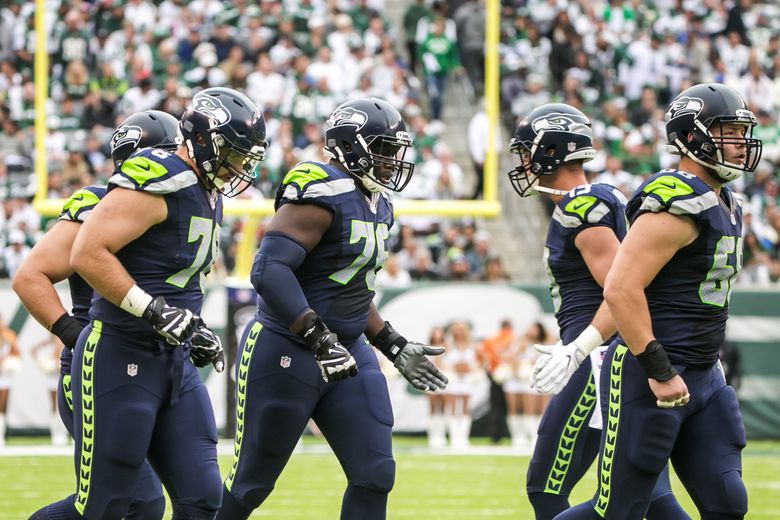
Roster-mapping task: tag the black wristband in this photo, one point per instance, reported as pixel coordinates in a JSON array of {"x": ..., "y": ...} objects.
[
  {"x": 655, "y": 362},
  {"x": 389, "y": 342},
  {"x": 153, "y": 311},
  {"x": 313, "y": 330},
  {"x": 67, "y": 329}
]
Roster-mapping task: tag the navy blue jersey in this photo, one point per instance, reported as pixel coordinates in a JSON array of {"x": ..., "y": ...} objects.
[
  {"x": 575, "y": 293},
  {"x": 169, "y": 259},
  {"x": 76, "y": 209},
  {"x": 689, "y": 297},
  {"x": 337, "y": 276}
]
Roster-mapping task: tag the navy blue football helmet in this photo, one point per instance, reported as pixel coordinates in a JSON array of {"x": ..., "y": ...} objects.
[
  {"x": 692, "y": 116},
  {"x": 368, "y": 138},
  {"x": 550, "y": 136},
  {"x": 224, "y": 133},
  {"x": 147, "y": 129}
]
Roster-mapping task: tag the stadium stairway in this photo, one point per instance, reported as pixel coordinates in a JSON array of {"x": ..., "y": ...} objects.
[{"x": 518, "y": 233}]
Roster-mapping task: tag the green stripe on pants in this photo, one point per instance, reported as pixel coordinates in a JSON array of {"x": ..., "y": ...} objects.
[
  {"x": 574, "y": 425},
  {"x": 87, "y": 416},
  {"x": 611, "y": 429},
  {"x": 241, "y": 381}
]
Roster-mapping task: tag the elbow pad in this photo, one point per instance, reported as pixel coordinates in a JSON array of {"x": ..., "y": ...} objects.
[{"x": 274, "y": 279}]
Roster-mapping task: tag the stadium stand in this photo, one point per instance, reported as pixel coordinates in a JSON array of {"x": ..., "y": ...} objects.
[{"x": 619, "y": 62}]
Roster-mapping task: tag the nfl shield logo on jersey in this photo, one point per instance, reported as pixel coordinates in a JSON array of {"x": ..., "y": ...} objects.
[
  {"x": 132, "y": 370},
  {"x": 285, "y": 362}
]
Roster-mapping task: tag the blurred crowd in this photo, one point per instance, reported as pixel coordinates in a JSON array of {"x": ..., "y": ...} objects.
[
  {"x": 298, "y": 59},
  {"x": 620, "y": 61}
]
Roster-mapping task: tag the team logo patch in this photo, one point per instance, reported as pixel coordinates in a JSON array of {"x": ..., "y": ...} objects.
[
  {"x": 560, "y": 123},
  {"x": 212, "y": 108},
  {"x": 348, "y": 116},
  {"x": 132, "y": 370},
  {"x": 126, "y": 134},
  {"x": 285, "y": 362},
  {"x": 685, "y": 106}
]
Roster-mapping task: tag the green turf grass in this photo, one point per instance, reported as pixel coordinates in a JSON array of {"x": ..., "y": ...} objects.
[{"x": 446, "y": 486}]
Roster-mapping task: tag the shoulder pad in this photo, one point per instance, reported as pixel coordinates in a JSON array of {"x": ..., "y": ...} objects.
[
  {"x": 79, "y": 205},
  {"x": 153, "y": 171},
  {"x": 313, "y": 182},
  {"x": 587, "y": 208},
  {"x": 676, "y": 192}
]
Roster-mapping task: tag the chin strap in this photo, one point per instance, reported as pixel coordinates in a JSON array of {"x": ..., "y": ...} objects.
[{"x": 549, "y": 190}]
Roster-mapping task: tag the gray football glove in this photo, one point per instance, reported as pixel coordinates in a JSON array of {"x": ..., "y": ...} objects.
[{"x": 410, "y": 358}]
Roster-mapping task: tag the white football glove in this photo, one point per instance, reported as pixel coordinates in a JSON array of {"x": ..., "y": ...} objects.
[{"x": 558, "y": 362}]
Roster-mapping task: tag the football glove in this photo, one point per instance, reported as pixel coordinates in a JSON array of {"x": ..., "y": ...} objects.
[
  {"x": 558, "y": 362},
  {"x": 67, "y": 329},
  {"x": 410, "y": 358},
  {"x": 332, "y": 357},
  {"x": 172, "y": 323},
  {"x": 207, "y": 348}
]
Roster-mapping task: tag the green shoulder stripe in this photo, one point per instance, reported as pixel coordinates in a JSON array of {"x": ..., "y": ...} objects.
[
  {"x": 303, "y": 174},
  {"x": 78, "y": 201},
  {"x": 142, "y": 170},
  {"x": 668, "y": 187},
  {"x": 580, "y": 205}
]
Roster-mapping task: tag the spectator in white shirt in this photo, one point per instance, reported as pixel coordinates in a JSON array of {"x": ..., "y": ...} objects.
[
  {"x": 265, "y": 86},
  {"x": 478, "y": 145},
  {"x": 393, "y": 275}
]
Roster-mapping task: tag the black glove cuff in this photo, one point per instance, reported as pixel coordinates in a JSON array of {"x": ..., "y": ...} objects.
[
  {"x": 67, "y": 329},
  {"x": 153, "y": 311},
  {"x": 313, "y": 331},
  {"x": 389, "y": 342},
  {"x": 655, "y": 362}
]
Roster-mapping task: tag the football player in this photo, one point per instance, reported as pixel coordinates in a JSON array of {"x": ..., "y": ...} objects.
[
  {"x": 550, "y": 146},
  {"x": 49, "y": 263},
  {"x": 307, "y": 354},
  {"x": 668, "y": 290},
  {"x": 143, "y": 250}
]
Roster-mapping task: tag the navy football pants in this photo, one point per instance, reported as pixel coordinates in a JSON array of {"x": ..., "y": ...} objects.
[
  {"x": 279, "y": 388},
  {"x": 130, "y": 402},
  {"x": 703, "y": 439},
  {"x": 567, "y": 446},
  {"x": 147, "y": 502}
]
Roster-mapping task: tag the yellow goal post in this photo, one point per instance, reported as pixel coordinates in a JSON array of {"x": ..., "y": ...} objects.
[{"x": 488, "y": 207}]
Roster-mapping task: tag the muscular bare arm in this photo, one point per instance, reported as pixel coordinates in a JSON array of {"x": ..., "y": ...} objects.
[
  {"x": 122, "y": 216},
  {"x": 47, "y": 264},
  {"x": 598, "y": 247},
  {"x": 650, "y": 243}
]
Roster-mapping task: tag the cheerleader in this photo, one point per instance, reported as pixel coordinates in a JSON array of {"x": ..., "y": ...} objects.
[
  {"x": 10, "y": 363},
  {"x": 461, "y": 366},
  {"x": 524, "y": 404}
]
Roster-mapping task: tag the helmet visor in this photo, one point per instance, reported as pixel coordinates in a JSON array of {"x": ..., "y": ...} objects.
[{"x": 238, "y": 169}]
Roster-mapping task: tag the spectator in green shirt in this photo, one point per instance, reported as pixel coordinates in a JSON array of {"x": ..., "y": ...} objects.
[
  {"x": 439, "y": 55},
  {"x": 412, "y": 16}
]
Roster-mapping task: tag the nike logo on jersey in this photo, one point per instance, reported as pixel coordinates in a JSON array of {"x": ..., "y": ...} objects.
[
  {"x": 672, "y": 186},
  {"x": 578, "y": 206},
  {"x": 144, "y": 166}
]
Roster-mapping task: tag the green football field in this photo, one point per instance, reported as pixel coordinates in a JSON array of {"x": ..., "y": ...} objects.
[{"x": 489, "y": 484}]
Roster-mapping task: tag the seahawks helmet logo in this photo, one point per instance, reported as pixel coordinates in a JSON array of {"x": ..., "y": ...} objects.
[
  {"x": 560, "y": 123},
  {"x": 348, "y": 116},
  {"x": 212, "y": 108},
  {"x": 126, "y": 134},
  {"x": 684, "y": 106}
]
